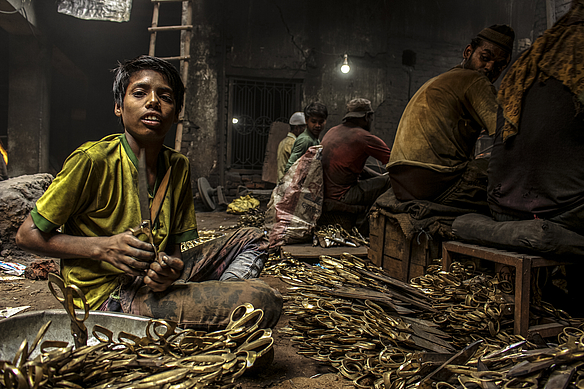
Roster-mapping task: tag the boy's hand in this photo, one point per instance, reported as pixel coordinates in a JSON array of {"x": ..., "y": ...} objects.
[
  {"x": 163, "y": 273},
  {"x": 128, "y": 253}
]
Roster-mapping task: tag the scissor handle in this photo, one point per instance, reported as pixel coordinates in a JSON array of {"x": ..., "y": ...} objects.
[
  {"x": 13, "y": 377},
  {"x": 56, "y": 280},
  {"x": 102, "y": 334},
  {"x": 145, "y": 228},
  {"x": 260, "y": 341},
  {"x": 69, "y": 293},
  {"x": 160, "y": 329}
]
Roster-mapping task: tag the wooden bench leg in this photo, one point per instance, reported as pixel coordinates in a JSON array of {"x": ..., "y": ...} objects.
[
  {"x": 446, "y": 257},
  {"x": 522, "y": 292}
]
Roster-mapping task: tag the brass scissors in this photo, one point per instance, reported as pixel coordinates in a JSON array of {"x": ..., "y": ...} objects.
[
  {"x": 78, "y": 329},
  {"x": 149, "y": 214},
  {"x": 260, "y": 342},
  {"x": 244, "y": 320}
]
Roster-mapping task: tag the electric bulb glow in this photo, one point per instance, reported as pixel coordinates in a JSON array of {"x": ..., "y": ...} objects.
[{"x": 345, "y": 68}]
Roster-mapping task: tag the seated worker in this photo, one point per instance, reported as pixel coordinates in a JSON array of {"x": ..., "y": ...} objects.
[
  {"x": 432, "y": 156},
  {"x": 297, "y": 126},
  {"x": 345, "y": 149},
  {"x": 536, "y": 168},
  {"x": 315, "y": 115},
  {"x": 85, "y": 215}
]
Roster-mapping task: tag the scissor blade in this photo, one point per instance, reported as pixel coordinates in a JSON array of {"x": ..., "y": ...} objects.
[
  {"x": 143, "y": 187},
  {"x": 460, "y": 358},
  {"x": 159, "y": 197},
  {"x": 559, "y": 379}
]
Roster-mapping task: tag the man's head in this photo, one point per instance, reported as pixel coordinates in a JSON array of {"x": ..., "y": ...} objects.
[
  {"x": 359, "y": 111},
  {"x": 148, "y": 95},
  {"x": 315, "y": 115},
  {"x": 490, "y": 52},
  {"x": 297, "y": 123}
]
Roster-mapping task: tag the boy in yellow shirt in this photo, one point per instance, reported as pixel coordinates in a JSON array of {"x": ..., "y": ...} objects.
[{"x": 95, "y": 201}]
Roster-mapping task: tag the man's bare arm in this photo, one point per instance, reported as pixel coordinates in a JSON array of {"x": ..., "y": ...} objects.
[{"x": 124, "y": 251}]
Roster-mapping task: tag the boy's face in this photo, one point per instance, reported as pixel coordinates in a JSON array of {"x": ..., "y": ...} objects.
[
  {"x": 315, "y": 125},
  {"x": 149, "y": 106}
]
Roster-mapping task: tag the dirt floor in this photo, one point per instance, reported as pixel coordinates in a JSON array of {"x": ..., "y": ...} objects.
[{"x": 288, "y": 370}]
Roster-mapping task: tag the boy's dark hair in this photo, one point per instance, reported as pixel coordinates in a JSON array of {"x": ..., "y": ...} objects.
[
  {"x": 316, "y": 109},
  {"x": 125, "y": 70}
]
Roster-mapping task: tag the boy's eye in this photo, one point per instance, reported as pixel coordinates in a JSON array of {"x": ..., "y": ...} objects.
[{"x": 166, "y": 98}]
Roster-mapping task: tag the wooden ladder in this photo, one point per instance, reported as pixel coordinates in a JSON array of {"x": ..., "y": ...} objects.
[{"x": 185, "y": 48}]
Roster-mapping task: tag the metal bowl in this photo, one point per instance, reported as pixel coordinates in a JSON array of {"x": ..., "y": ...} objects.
[{"x": 15, "y": 329}]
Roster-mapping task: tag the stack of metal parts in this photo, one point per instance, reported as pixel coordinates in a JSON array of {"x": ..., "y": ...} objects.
[
  {"x": 167, "y": 357},
  {"x": 204, "y": 236},
  {"x": 382, "y": 333},
  {"x": 335, "y": 235},
  {"x": 252, "y": 218}
]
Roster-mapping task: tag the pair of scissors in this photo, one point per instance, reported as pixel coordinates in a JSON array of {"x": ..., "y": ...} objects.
[
  {"x": 260, "y": 342},
  {"x": 149, "y": 214},
  {"x": 244, "y": 320},
  {"x": 66, "y": 298}
]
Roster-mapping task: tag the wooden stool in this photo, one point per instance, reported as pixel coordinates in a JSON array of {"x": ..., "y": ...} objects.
[{"x": 523, "y": 263}]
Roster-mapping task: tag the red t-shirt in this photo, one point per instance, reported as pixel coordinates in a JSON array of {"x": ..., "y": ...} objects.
[{"x": 346, "y": 148}]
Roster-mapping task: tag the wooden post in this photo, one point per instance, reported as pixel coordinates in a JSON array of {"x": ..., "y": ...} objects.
[
  {"x": 152, "y": 48},
  {"x": 185, "y": 48}
]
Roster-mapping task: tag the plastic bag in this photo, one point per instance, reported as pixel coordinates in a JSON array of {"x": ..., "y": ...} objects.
[
  {"x": 243, "y": 204},
  {"x": 108, "y": 10},
  {"x": 296, "y": 203}
]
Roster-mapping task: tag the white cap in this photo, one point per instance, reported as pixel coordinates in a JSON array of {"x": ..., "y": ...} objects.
[{"x": 297, "y": 119}]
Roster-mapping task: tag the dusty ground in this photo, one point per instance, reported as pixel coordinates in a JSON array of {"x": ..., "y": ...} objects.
[{"x": 288, "y": 370}]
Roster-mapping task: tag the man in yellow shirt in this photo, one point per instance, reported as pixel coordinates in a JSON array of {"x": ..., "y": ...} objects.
[
  {"x": 432, "y": 156},
  {"x": 297, "y": 126},
  {"x": 94, "y": 201}
]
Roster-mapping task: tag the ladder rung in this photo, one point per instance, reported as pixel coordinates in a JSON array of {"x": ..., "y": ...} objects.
[
  {"x": 180, "y": 58},
  {"x": 170, "y": 28}
]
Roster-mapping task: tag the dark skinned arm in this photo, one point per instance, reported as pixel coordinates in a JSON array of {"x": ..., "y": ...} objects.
[{"x": 124, "y": 251}]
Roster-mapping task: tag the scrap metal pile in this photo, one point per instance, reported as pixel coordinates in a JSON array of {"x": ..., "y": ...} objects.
[
  {"x": 204, "y": 236},
  {"x": 335, "y": 235},
  {"x": 382, "y": 333},
  {"x": 167, "y": 357}
]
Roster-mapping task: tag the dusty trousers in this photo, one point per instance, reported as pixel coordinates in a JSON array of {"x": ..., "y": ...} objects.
[{"x": 199, "y": 299}]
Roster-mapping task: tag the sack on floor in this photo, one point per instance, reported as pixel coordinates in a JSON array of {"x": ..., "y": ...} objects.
[{"x": 296, "y": 203}]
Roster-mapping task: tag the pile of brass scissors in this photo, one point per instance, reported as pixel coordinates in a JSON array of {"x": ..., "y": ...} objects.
[
  {"x": 165, "y": 357},
  {"x": 149, "y": 215}
]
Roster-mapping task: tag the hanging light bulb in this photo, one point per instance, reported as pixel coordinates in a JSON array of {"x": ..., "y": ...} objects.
[{"x": 345, "y": 68}]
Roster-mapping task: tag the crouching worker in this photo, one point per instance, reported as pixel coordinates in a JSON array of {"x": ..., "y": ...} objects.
[{"x": 94, "y": 201}]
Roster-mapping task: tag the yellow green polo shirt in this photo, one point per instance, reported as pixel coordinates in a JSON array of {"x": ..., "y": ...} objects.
[{"x": 96, "y": 194}]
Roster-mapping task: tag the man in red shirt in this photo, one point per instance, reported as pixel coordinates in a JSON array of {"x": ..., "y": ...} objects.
[{"x": 346, "y": 148}]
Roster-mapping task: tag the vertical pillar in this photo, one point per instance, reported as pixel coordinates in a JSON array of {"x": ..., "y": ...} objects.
[
  {"x": 550, "y": 11},
  {"x": 28, "y": 105}
]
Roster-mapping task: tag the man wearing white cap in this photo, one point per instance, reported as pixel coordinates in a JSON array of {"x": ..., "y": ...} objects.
[{"x": 297, "y": 126}]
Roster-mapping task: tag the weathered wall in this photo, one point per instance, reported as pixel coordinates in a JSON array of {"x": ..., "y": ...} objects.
[
  {"x": 306, "y": 40},
  {"x": 29, "y": 106}
]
